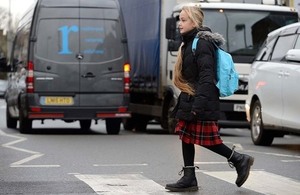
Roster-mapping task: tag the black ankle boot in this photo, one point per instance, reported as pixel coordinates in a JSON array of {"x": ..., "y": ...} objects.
[
  {"x": 242, "y": 164},
  {"x": 187, "y": 183}
]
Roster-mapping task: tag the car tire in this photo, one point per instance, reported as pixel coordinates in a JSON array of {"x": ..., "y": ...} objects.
[
  {"x": 85, "y": 124},
  {"x": 259, "y": 135},
  {"x": 10, "y": 122},
  {"x": 113, "y": 126}
]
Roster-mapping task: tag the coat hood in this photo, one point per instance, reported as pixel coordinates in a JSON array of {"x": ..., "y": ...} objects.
[{"x": 206, "y": 34}]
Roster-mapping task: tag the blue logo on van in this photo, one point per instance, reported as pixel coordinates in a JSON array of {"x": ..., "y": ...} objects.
[{"x": 65, "y": 32}]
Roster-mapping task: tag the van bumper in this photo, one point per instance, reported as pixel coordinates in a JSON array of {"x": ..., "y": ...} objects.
[
  {"x": 233, "y": 114},
  {"x": 78, "y": 113},
  {"x": 32, "y": 109}
]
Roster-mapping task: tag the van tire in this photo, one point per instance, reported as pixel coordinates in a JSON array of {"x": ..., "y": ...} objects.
[
  {"x": 85, "y": 124},
  {"x": 171, "y": 125},
  {"x": 128, "y": 124},
  {"x": 113, "y": 126},
  {"x": 10, "y": 122},
  {"x": 25, "y": 124}
]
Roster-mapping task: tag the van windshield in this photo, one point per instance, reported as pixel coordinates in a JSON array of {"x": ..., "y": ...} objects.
[
  {"x": 63, "y": 39},
  {"x": 245, "y": 31}
]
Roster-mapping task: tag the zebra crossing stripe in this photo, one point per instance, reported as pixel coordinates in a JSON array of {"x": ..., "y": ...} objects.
[
  {"x": 125, "y": 184},
  {"x": 122, "y": 184},
  {"x": 262, "y": 182}
]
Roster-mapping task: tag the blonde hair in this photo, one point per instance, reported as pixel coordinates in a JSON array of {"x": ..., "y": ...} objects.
[{"x": 196, "y": 15}]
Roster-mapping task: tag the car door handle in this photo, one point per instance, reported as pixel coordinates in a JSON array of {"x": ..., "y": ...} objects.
[
  {"x": 286, "y": 74},
  {"x": 280, "y": 73},
  {"x": 88, "y": 75}
]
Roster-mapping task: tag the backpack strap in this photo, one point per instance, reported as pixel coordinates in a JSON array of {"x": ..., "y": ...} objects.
[{"x": 194, "y": 45}]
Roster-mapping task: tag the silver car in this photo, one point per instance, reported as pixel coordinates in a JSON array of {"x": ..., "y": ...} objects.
[{"x": 273, "y": 106}]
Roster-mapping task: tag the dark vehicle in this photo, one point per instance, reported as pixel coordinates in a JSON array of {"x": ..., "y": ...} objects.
[{"x": 69, "y": 61}]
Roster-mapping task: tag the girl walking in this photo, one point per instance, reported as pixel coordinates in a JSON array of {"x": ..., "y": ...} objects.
[{"x": 198, "y": 103}]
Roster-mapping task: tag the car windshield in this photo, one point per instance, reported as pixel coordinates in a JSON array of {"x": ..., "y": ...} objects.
[{"x": 245, "y": 31}]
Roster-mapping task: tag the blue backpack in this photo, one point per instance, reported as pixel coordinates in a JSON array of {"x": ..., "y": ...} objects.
[{"x": 227, "y": 77}]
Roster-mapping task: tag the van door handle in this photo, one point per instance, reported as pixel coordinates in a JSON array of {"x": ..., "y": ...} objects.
[
  {"x": 79, "y": 56},
  {"x": 88, "y": 75}
]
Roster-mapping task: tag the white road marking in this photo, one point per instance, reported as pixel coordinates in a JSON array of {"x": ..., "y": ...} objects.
[
  {"x": 122, "y": 184},
  {"x": 274, "y": 154},
  {"x": 20, "y": 163},
  {"x": 262, "y": 182},
  {"x": 210, "y": 163},
  {"x": 119, "y": 165},
  {"x": 286, "y": 161},
  {"x": 125, "y": 184}
]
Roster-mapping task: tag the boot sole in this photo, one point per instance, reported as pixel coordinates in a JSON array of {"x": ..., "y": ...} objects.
[
  {"x": 189, "y": 189},
  {"x": 251, "y": 161}
]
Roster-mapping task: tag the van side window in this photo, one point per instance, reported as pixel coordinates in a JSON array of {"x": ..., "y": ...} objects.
[{"x": 20, "y": 51}]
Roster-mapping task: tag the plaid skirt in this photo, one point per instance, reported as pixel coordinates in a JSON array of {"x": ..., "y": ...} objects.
[{"x": 203, "y": 133}]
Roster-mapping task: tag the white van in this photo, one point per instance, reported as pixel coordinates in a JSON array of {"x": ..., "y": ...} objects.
[{"x": 244, "y": 27}]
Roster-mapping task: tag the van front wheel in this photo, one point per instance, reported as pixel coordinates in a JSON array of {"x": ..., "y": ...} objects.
[
  {"x": 10, "y": 122},
  {"x": 113, "y": 126}
]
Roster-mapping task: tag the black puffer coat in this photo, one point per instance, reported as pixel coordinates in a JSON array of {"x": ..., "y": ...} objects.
[{"x": 200, "y": 71}]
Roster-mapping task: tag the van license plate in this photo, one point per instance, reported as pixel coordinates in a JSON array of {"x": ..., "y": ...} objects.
[
  {"x": 239, "y": 108},
  {"x": 63, "y": 101}
]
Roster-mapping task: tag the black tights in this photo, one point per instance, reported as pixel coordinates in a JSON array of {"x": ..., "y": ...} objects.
[{"x": 188, "y": 151}]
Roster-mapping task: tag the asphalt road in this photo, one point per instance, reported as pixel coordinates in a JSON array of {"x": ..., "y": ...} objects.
[{"x": 60, "y": 159}]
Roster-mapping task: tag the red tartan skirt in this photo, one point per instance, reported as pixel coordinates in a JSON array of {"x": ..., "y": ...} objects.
[{"x": 203, "y": 133}]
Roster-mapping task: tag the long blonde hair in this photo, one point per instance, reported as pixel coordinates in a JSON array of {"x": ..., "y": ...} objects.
[{"x": 196, "y": 15}]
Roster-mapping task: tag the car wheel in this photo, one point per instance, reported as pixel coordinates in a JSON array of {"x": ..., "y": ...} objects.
[
  {"x": 259, "y": 135},
  {"x": 25, "y": 124},
  {"x": 10, "y": 122},
  {"x": 113, "y": 126},
  {"x": 85, "y": 124}
]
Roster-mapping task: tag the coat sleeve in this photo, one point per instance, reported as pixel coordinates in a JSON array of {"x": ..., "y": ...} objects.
[{"x": 205, "y": 89}]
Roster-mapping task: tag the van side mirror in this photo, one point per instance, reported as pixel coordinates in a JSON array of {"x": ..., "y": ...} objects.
[
  {"x": 293, "y": 55},
  {"x": 171, "y": 28}
]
